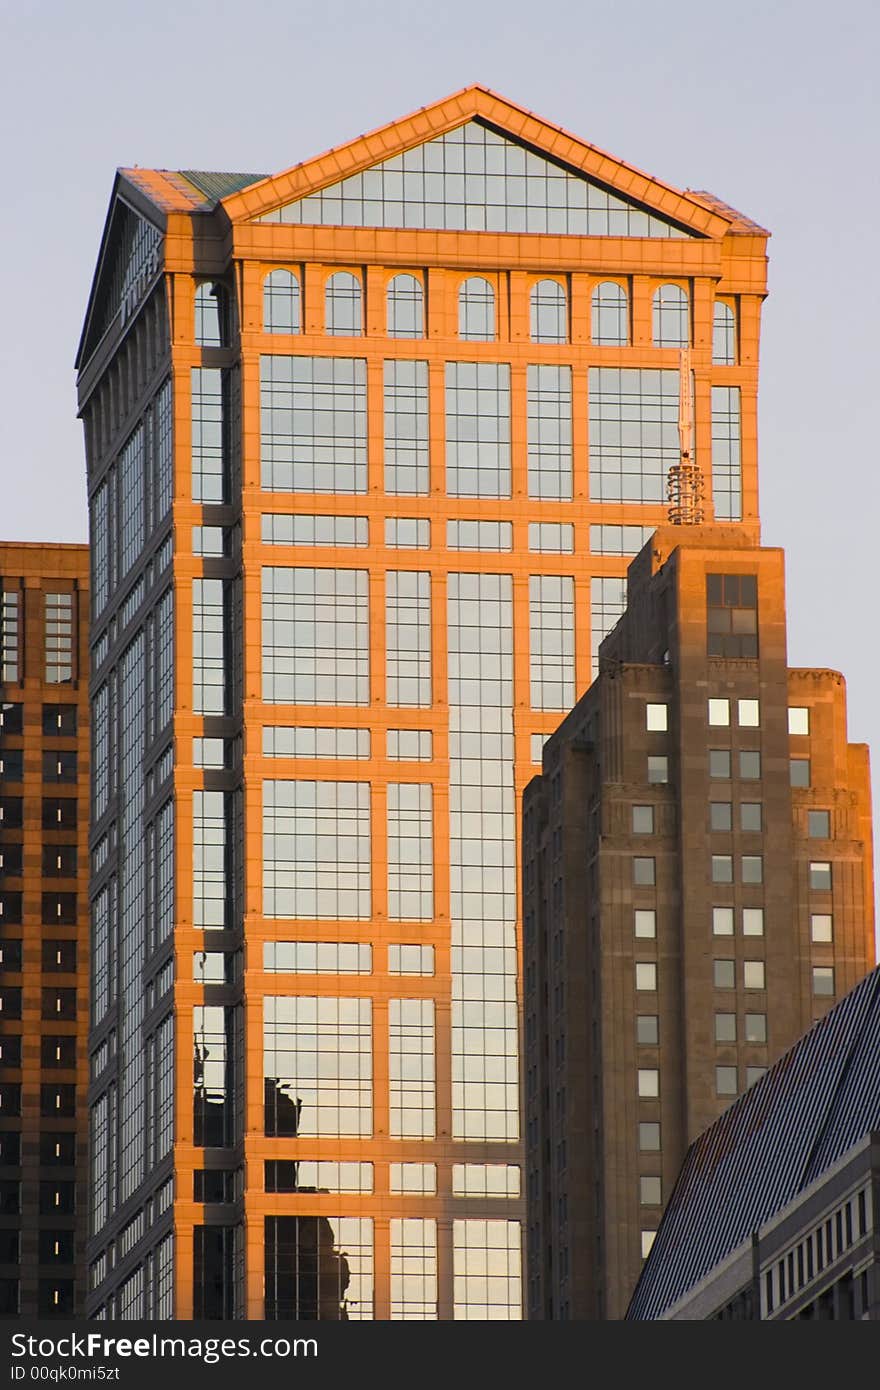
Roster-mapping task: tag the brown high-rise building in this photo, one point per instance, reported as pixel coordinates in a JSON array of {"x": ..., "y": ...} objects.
[
  {"x": 369, "y": 442},
  {"x": 697, "y": 891},
  {"x": 44, "y": 933}
]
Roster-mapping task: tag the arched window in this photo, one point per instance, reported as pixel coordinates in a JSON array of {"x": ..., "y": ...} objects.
[
  {"x": 723, "y": 335},
  {"x": 476, "y": 310},
  {"x": 549, "y": 316},
  {"x": 342, "y": 305},
  {"x": 610, "y": 315},
  {"x": 282, "y": 303},
  {"x": 405, "y": 308},
  {"x": 671, "y": 317},
  {"x": 210, "y": 319}
]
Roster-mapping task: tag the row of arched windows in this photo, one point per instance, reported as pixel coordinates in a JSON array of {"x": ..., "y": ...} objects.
[{"x": 405, "y": 313}]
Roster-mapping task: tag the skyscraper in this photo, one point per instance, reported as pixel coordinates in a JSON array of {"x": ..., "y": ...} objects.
[
  {"x": 44, "y": 933},
  {"x": 697, "y": 891},
  {"x": 368, "y": 443}
]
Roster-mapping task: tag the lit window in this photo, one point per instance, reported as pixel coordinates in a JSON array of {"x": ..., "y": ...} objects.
[
  {"x": 798, "y": 719},
  {"x": 650, "y": 1191},
  {"x": 719, "y": 712},
  {"x": 748, "y": 714},
  {"x": 722, "y": 921},
  {"x": 819, "y": 825},
  {"x": 646, "y": 975},
  {"x": 719, "y": 763},
  {"x": 820, "y": 876},
  {"x": 647, "y": 1030},
  {"x": 643, "y": 871},
  {"x": 750, "y": 816},
  {"x": 725, "y": 1081},
  {"x": 725, "y": 1027},
  {"x": 658, "y": 768},
  {"x": 753, "y": 974},
  {"x": 648, "y": 1083},
  {"x": 753, "y": 921},
  {"x": 821, "y": 927},
  {"x": 648, "y": 1238},
  {"x": 756, "y": 1028},
  {"x": 752, "y": 868},
  {"x": 823, "y": 979},
  {"x": 656, "y": 718},
  {"x": 799, "y": 772},
  {"x": 724, "y": 974},
  {"x": 649, "y": 1136},
  {"x": 643, "y": 820},
  {"x": 720, "y": 815},
  {"x": 722, "y": 868},
  {"x": 645, "y": 922}
]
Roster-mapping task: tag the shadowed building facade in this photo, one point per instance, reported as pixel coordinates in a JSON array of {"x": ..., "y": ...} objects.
[
  {"x": 697, "y": 890},
  {"x": 44, "y": 930},
  {"x": 369, "y": 442}
]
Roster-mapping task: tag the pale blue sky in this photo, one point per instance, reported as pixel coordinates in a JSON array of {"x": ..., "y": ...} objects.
[{"x": 770, "y": 104}]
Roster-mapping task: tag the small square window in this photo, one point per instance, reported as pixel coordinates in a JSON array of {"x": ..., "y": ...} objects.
[
  {"x": 648, "y": 1083},
  {"x": 724, "y": 972},
  {"x": 643, "y": 871},
  {"x": 658, "y": 768},
  {"x": 798, "y": 719},
  {"x": 823, "y": 979},
  {"x": 719, "y": 763},
  {"x": 754, "y": 1074},
  {"x": 821, "y": 928},
  {"x": 753, "y": 921},
  {"x": 645, "y": 922},
  {"x": 648, "y": 1238},
  {"x": 725, "y": 1081},
  {"x": 719, "y": 713},
  {"x": 643, "y": 820},
  {"x": 799, "y": 772},
  {"x": 820, "y": 876},
  {"x": 748, "y": 713},
  {"x": 749, "y": 764},
  {"x": 647, "y": 1030},
  {"x": 752, "y": 868},
  {"x": 650, "y": 1191},
  {"x": 656, "y": 718},
  {"x": 750, "y": 816},
  {"x": 649, "y": 1136},
  {"x": 722, "y": 921},
  {"x": 753, "y": 974},
  {"x": 646, "y": 975},
  {"x": 725, "y": 1027},
  {"x": 819, "y": 825},
  {"x": 722, "y": 868},
  {"x": 720, "y": 815},
  {"x": 756, "y": 1028}
]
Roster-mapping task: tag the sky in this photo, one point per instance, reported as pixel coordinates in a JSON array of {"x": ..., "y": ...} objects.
[{"x": 773, "y": 105}]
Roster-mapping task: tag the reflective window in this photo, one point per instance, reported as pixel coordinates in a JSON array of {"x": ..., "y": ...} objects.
[
  {"x": 648, "y": 1083},
  {"x": 649, "y": 1136},
  {"x": 722, "y": 868},
  {"x": 551, "y": 642},
  {"x": 210, "y": 638},
  {"x": 208, "y": 540},
  {"x": 798, "y": 719},
  {"x": 556, "y": 537},
  {"x": 131, "y": 472},
  {"x": 318, "y": 1066},
  {"x": 282, "y": 303},
  {"x": 413, "y": 1177},
  {"x": 410, "y": 851},
  {"x": 726, "y": 453},
  {"x": 485, "y": 1180},
  {"x": 317, "y": 957},
  {"x": 752, "y": 868},
  {"x": 210, "y": 893},
  {"x": 342, "y": 305},
  {"x": 821, "y": 927},
  {"x": 719, "y": 763},
  {"x": 408, "y": 637},
  {"x": 722, "y": 921},
  {"x": 405, "y": 309},
  {"x": 725, "y": 1027},
  {"x": 753, "y": 921},
  {"x": 279, "y": 529},
  {"x": 658, "y": 767},
  {"x": 479, "y": 535},
  {"x": 548, "y": 404},
  {"x": 820, "y": 876},
  {"x": 410, "y": 960},
  {"x": 610, "y": 315},
  {"x": 315, "y": 636},
  {"x": 723, "y": 335},
  {"x": 719, "y": 712},
  {"x": 476, "y": 310},
  {"x": 536, "y": 747},
  {"x": 411, "y": 1085},
  {"x": 313, "y": 413},
  {"x": 210, "y": 315},
  {"x": 607, "y": 604},
  {"x": 633, "y": 440},
  {"x": 732, "y": 615},
  {"x": 407, "y": 533},
  {"x": 643, "y": 871},
  {"x": 799, "y": 772},
  {"x": 650, "y": 1191},
  {"x": 210, "y": 437},
  {"x": 10, "y": 624},
  {"x": 754, "y": 978},
  {"x": 548, "y": 312},
  {"x": 656, "y": 718},
  {"x": 750, "y": 816},
  {"x": 724, "y": 974},
  {"x": 413, "y": 1269},
  {"x": 318, "y": 1268},
  {"x": 749, "y": 764},
  {"x": 619, "y": 540},
  {"x": 474, "y": 179},
  {"x": 646, "y": 975},
  {"x": 720, "y": 815},
  {"x": 645, "y": 918},
  {"x": 647, "y": 1030},
  {"x": 725, "y": 1081},
  {"x": 478, "y": 429},
  {"x": 671, "y": 317},
  {"x": 58, "y": 637},
  {"x": 643, "y": 820},
  {"x": 311, "y": 742},
  {"x": 303, "y": 1175},
  {"x": 316, "y": 849},
  {"x": 410, "y": 745},
  {"x": 819, "y": 825},
  {"x": 406, "y": 428},
  {"x": 487, "y": 1270},
  {"x": 755, "y": 1028},
  {"x": 823, "y": 979}
]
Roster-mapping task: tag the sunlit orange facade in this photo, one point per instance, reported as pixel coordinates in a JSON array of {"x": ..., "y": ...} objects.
[{"x": 386, "y": 427}]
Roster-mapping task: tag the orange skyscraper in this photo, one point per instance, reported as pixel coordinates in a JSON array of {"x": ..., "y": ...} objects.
[{"x": 369, "y": 443}]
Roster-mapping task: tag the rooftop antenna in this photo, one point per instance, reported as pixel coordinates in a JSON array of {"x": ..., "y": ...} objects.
[{"x": 684, "y": 482}]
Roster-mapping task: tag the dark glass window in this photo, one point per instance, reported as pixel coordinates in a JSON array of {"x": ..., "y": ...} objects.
[
  {"x": 10, "y": 1099},
  {"x": 59, "y": 765},
  {"x": 59, "y": 813},
  {"x": 10, "y": 1197},
  {"x": 59, "y": 861},
  {"x": 56, "y": 1247},
  {"x": 10, "y": 1148},
  {"x": 58, "y": 1149},
  {"x": 213, "y": 1272},
  {"x": 732, "y": 615},
  {"x": 720, "y": 815},
  {"x": 10, "y": 860},
  {"x": 59, "y": 1003},
  {"x": 59, "y": 907},
  {"x": 719, "y": 763},
  {"x": 59, "y": 721},
  {"x": 214, "y": 1185},
  {"x": 59, "y": 955},
  {"x": 306, "y": 1276},
  {"x": 750, "y": 815},
  {"x": 55, "y": 1298},
  {"x": 9, "y": 1302},
  {"x": 280, "y": 1175},
  {"x": 10, "y": 1002},
  {"x": 56, "y": 1197},
  {"x": 11, "y": 764},
  {"x": 10, "y": 812},
  {"x": 799, "y": 771},
  {"x": 749, "y": 764},
  {"x": 10, "y": 1050},
  {"x": 11, "y": 718},
  {"x": 10, "y": 955},
  {"x": 58, "y": 1051},
  {"x": 819, "y": 825},
  {"x": 8, "y": 1247},
  {"x": 10, "y": 908},
  {"x": 58, "y": 1102}
]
